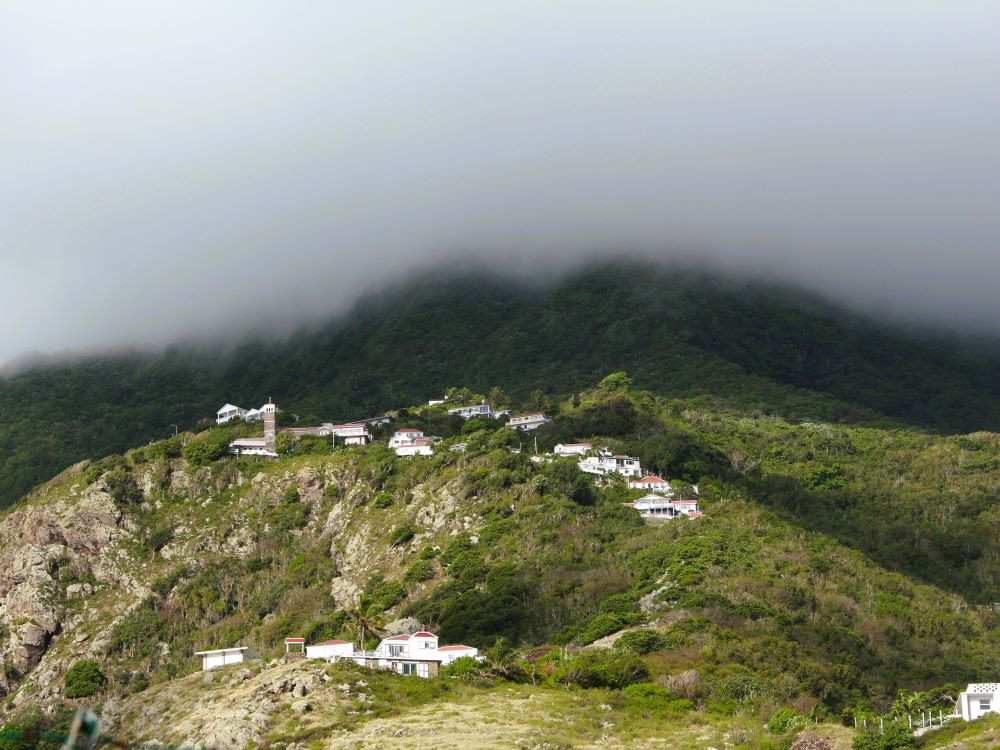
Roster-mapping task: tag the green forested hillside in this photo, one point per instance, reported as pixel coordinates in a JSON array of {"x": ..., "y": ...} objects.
[{"x": 733, "y": 344}]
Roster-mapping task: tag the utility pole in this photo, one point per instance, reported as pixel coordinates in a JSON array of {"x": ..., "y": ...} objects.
[{"x": 175, "y": 429}]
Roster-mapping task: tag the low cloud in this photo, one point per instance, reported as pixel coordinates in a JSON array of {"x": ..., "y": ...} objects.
[{"x": 185, "y": 169}]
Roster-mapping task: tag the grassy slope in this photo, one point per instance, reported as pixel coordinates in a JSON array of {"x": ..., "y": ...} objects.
[
  {"x": 768, "y": 597},
  {"x": 732, "y": 345}
]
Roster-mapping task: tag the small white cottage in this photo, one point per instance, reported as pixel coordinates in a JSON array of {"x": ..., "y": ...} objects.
[
  {"x": 979, "y": 699},
  {"x": 220, "y": 657},
  {"x": 529, "y": 420},
  {"x": 329, "y": 650},
  {"x": 228, "y": 413},
  {"x": 573, "y": 449}
]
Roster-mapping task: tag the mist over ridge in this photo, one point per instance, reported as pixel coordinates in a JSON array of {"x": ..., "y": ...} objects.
[{"x": 173, "y": 173}]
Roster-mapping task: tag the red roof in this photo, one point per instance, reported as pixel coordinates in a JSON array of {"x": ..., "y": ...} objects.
[
  {"x": 331, "y": 643},
  {"x": 455, "y": 648},
  {"x": 424, "y": 634},
  {"x": 408, "y": 429},
  {"x": 399, "y": 638},
  {"x": 685, "y": 502},
  {"x": 295, "y": 640},
  {"x": 530, "y": 414},
  {"x": 651, "y": 479},
  {"x": 577, "y": 445}
]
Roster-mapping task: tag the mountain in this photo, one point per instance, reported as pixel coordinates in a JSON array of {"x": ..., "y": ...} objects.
[
  {"x": 732, "y": 344},
  {"x": 836, "y": 565}
]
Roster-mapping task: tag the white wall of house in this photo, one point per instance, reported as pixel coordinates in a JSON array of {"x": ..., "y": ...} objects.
[
  {"x": 223, "y": 656},
  {"x": 530, "y": 421},
  {"x": 979, "y": 699},
  {"x": 329, "y": 650},
  {"x": 572, "y": 449},
  {"x": 603, "y": 465},
  {"x": 228, "y": 413}
]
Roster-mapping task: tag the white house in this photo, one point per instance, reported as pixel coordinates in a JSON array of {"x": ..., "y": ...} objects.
[
  {"x": 404, "y": 436},
  {"x": 417, "y": 654},
  {"x": 252, "y": 415},
  {"x": 330, "y": 650},
  {"x": 605, "y": 464},
  {"x": 529, "y": 420},
  {"x": 663, "y": 508},
  {"x": 355, "y": 433},
  {"x": 421, "y": 446},
  {"x": 228, "y": 413},
  {"x": 478, "y": 410},
  {"x": 979, "y": 699},
  {"x": 651, "y": 483},
  {"x": 252, "y": 447},
  {"x": 573, "y": 449},
  {"x": 220, "y": 657}
]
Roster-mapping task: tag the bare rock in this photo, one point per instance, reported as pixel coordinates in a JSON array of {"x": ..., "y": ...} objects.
[
  {"x": 300, "y": 707},
  {"x": 403, "y": 625}
]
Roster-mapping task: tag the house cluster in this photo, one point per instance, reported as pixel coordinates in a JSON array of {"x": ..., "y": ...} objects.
[
  {"x": 659, "y": 502},
  {"x": 417, "y": 653}
]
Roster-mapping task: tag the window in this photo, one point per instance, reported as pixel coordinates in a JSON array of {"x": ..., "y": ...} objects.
[
  {"x": 984, "y": 704},
  {"x": 395, "y": 650},
  {"x": 408, "y": 669}
]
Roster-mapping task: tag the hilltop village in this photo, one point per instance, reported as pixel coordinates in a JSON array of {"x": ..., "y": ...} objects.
[{"x": 661, "y": 499}]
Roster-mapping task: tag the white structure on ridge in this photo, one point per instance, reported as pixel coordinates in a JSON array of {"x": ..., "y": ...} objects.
[
  {"x": 979, "y": 699},
  {"x": 651, "y": 483},
  {"x": 409, "y": 441},
  {"x": 330, "y": 650},
  {"x": 605, "y": 463},
  {"x": 573, "y": 449},
  {"x": 417, "y": 654},
  {"x": 228, "y": 413},
  {"x": 263, "y": 446},
  {"x": 529, "y": 420},
  {"x": 658, "y": 507},
  {"x": 355, "y": 433},
  {"x": 220, "y": 657},
  {"x": 478, "y": 410}
]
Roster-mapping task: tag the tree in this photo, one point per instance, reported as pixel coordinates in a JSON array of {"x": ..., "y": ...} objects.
[
  {"x": 284, "y": 443},
  {"x": 84, "y": 679},
  {"x": 616, "y": 381},
  {"x": 203, "y": 450},
  {"x": 366, "y": 619},
  {"x": 497, "y": 396}
]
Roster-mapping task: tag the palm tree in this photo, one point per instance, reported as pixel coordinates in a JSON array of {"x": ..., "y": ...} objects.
[
  {"x": 501, "y": 660},
  {"x": 497, "y": 396},
  {"x": 366, "y": 619}
]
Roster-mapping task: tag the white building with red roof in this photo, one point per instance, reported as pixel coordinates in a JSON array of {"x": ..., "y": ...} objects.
[
  {"x": 658, "y": 507},
  {"x": 530, "y": 420},
  {"x": 604, "y": 464},
  {"x": 330, "y": 650},
  {"x": 353, "y": 433},
  {"x": 409, "y": 654},
  {"x": 409, "y": 441},
  {"x": 651, "y": 483}
]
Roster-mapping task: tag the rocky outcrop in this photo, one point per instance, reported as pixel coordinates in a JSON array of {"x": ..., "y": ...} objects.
[{"x": 35, "y": 543}]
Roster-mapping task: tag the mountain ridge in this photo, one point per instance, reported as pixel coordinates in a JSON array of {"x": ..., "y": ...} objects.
[{"x": 730, "y": 342}]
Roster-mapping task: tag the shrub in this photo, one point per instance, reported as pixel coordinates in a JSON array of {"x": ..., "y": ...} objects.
[
  {"x": 642, "y": 641},
  {"x": 619, "y": 604},
  {"x": 401, "y": 534},
  {"x": 645, "y": 695},
  {"x": 291, "y": 495},
  {"x": 201, "y": 451},
  {"x": 786, "y": 720},
  {"x": 465, "y": 667},
  {"x": 122, "y": 487},
  {"x": 84, "y": 679},
  {"x": 603, "y": 669},
  {"x": 686, "y": 684},
  {"x": 603, "y": 624},
  {"x": 383, "y": 500},
  {"x": 421, "y": 570},
  {"x": 892, "y": 737}
]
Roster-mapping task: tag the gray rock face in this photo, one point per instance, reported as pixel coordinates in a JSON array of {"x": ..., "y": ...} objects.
[
  {"x": 34, "y": 544},
  {"x": 403, "y": 625},
  {"x": 301, "y": 707}
]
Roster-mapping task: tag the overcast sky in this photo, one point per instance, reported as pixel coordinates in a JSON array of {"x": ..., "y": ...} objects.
[{"x": 169, "y": 168}]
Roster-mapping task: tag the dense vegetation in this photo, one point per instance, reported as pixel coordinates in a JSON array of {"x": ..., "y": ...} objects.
[
  {"x": 731, "y": 345},
  {"x": 837, "y": 565}
]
